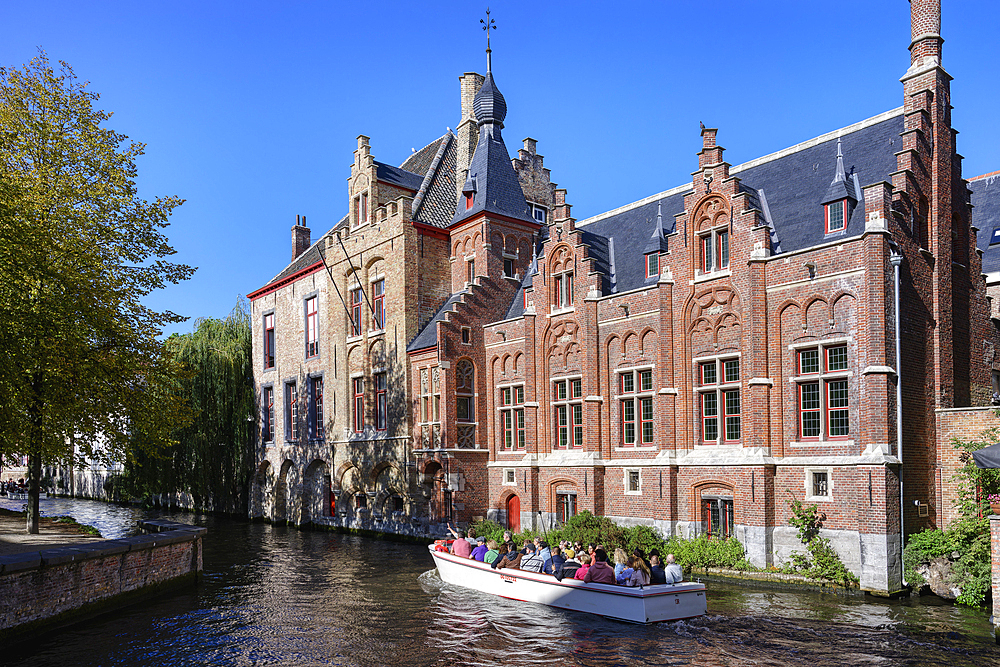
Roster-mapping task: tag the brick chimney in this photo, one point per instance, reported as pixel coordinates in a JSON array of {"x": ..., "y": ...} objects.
[
  {"x": 300, "y": 237},
  {"x": 468, "y": 129}
]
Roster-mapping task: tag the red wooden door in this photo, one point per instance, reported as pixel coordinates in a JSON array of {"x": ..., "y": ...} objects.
[{"x": 514, "y": 514}]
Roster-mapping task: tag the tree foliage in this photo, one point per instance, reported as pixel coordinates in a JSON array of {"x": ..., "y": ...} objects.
[
  {"x": 79, "y": 250},
  {"x": 213, "y": 457}
]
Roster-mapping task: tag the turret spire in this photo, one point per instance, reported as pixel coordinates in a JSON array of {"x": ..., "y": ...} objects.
[{"x": 488, "y": 24}]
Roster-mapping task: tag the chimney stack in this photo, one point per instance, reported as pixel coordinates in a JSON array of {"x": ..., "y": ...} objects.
[{"x": 300, "y": 237}]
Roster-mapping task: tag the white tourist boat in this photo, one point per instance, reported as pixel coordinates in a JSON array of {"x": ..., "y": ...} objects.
[{"x": 648, "y": 604}]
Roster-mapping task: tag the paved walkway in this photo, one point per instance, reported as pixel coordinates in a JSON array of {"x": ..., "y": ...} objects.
[{"x": 51, "y": 535}]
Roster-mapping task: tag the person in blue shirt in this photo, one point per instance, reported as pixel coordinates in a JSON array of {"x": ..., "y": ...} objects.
[{"x": 555, "y": 563}]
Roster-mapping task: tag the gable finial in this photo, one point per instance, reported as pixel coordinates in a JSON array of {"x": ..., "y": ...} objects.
[
  {"x": 839, "y": 174},
  {"x": 488, "y": 24}
]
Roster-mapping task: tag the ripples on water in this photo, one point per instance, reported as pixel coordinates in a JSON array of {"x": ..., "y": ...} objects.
[{"x": 279, "y": 596}]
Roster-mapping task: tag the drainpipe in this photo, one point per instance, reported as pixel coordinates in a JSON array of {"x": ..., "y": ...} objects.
[{"x": 896, "y": 259}]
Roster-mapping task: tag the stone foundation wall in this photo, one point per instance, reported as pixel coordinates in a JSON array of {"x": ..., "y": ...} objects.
[{"x": 39, "y": 589}]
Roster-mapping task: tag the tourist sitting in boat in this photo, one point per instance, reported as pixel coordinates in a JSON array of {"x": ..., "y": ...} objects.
[
  {"x": 641, "y": 555},
  {"x": 656, "y": 572},
  {"x": 639, "y": 572},
  {"x": 502, "y": 551},
  {"x": 585, "y": 561},
  {"x": 533, "y": 562},
  {"x": 509, "y": 541},
  {"x": 600, "y": 572},
  {"x": 543, "y": 550},
  {"x": 460, "y": 547},
  {"x": 555, "y": 562},
  {"x": 491, "y": 552},
  {"x": 621, "y": 562},
  {"x": 479, "y": 552},
  {"x": 674, "y": 573},
  {"x": 567, "y": 570},
  {"x": 513, "y": 559}
]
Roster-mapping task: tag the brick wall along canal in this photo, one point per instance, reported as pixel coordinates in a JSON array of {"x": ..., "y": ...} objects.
[{"x": 275, "y": 595}]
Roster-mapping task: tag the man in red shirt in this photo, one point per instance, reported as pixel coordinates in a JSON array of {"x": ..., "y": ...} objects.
[
  {"x": 600, "y": 572},
  {"x": 461, "y": 546}
]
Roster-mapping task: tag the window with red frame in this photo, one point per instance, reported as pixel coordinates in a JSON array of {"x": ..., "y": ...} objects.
[
  {"x": 718, "y": 386},
  {"x": 652, "y": 264},
  {"x": 269, "y": 340},
  {"x": 567, "y": 403},
  {"x": 512, "y": 417},
  {"x": 381, "y": 405},
  {"x": 356, "y": 299},
  {"x": 318, "y": 425},
  {"x": 469, "y": 198},
  {"x": 836, "y": 216},
  {"x": 268, "y": 414},
  {"x": 359, "y": 405},
  {"x": 378, "y": 304},
  {"x": 635, "y": 388},
  {"x": 714, "y": 250},
  {"x": 824, "y": 401},
  {"x": 291, "y": 412},
  {"x": 312, "y": 327},
  {"x": 563, "y": 290}
]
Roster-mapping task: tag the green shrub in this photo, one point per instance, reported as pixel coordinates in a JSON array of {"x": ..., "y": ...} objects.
[{"x": 821, "y": 560}]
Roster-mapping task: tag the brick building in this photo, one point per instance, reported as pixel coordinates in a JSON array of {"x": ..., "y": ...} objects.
[{"x": 690, "y": 361}]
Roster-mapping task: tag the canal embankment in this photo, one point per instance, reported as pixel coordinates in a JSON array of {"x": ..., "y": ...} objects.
[{"x": 53, "y": 585}]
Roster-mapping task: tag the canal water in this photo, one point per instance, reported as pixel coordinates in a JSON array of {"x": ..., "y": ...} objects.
[{"x": 279, "y": 596}]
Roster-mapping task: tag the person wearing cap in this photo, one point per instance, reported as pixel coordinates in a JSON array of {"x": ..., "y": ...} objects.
[{"x": 479, "y": 553}]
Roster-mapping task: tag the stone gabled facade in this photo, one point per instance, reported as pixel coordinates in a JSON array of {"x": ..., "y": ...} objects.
[{"x": 691, "y": 361}]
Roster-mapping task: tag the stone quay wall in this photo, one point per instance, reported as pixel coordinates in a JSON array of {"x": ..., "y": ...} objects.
[{"x": 41, "y": 589}]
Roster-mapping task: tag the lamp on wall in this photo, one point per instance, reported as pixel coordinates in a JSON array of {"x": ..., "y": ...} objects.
[
  {"x": 811, "y": 268},
  {"x": 502, "y": 334},
  {"x": 625, "y": 307}
]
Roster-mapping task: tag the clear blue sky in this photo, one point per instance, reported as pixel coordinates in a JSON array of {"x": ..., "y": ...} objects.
[{"x": 250, "y": 110}]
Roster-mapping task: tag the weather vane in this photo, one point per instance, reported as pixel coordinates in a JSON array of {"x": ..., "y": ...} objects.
[{"x": 488, "y": 24}]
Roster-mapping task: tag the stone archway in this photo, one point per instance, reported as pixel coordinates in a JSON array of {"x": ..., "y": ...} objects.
[
  {"x": 316, "y": 492},
  {"x": 262, "y": 483},
  {"x": 280, "y": 513}
]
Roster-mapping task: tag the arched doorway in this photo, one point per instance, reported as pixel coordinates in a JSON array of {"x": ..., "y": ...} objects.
[{"x": 514, "y": 514}]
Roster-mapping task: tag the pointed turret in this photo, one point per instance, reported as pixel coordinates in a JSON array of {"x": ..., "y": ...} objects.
[
  {"x": 492, "y": 185},
  {"x": 658, "y": 241},
  {"x": 841, "y": 187}
]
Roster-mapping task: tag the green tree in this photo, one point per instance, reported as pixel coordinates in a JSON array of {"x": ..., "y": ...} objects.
[
  {"x": 79, "y": 250},
  {"x": 213, "y": 457}
]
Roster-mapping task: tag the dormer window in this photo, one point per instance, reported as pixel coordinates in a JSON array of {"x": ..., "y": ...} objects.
[
  {"x": 469, "y": 197},
  {"x": 652, "y": 264},
  {"x": 836, "y": 216},
  {"x": 538, "y": 213}
]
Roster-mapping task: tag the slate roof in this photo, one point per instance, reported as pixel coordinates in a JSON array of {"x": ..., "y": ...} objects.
[
  {"x": 789, "y": 187},
  {"x": 428, "y": 335},
  {"x": 309, "y": 257},
  {"x": 437, "y": 206},
  {"x": 386, "y": 173},
  {"x": 986, "y": 216}
]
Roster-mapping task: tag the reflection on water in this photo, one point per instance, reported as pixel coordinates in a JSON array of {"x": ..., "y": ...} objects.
[{"x": 273, "y": 595}]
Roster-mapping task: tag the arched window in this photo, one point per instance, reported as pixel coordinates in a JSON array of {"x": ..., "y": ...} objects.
[{"x": 465, "y": 379}]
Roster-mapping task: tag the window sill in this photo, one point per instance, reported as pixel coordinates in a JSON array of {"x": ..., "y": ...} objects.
[
  {"x": 712, "y": 275},
  {"x": 819, "y": 499},
  {"x": 823, "y": 443},
  {"x": 353, "y": 339},
  {"x": 633, "y": 493},
  {"x": 561, "y": 311},
  {"x": 376, "y": 332}
]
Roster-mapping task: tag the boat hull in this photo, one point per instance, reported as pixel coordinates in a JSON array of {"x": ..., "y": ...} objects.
[{"x": 646, "y": 604}]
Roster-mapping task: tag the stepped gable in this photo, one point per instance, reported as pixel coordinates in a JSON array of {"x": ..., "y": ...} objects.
[
  {"x": 787, "y": 187},
  {"x": 491, "y": 178},
  {"x": 428, "y": 335},
  {"x": 986, "y": 216}
]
